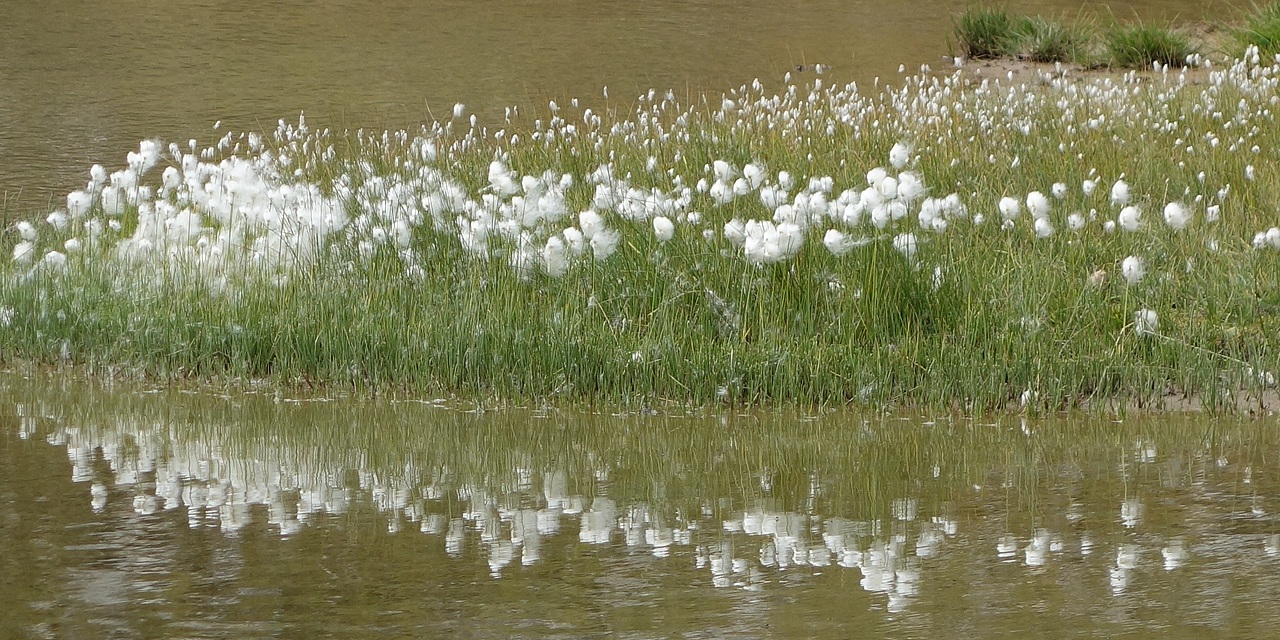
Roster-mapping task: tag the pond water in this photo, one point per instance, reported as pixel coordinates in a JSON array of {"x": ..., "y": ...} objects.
[
  {"x": 82, "y": 83},
  {"x": 130, "y": 513}
]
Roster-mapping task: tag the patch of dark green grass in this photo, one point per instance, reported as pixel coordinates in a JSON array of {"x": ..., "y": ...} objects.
[
  {"x": 1137, "y": 46},
  {"x": 984, "y": 33},
  {"x": 1261, "y": 30},
  {"x": 1045, "y": 40}
]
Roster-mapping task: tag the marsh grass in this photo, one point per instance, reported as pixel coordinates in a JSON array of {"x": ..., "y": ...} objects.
[
  {"x": 1261, "y": 29},
  {"x": 986, "y": 32},
  {"x": 1140, "y": 45},
  {"x": 982, "y": 316},
  {"x": 1043, "y": 39}
]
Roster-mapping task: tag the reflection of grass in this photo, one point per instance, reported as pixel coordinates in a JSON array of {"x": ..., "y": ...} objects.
[
  {"x": 1136, "y": 46},
  {"x": 1261, "y": 30},
  {"x": 836, "y": 464}
]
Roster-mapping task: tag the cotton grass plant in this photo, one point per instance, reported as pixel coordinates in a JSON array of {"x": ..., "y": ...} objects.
[{"x": 950, "y": 241}]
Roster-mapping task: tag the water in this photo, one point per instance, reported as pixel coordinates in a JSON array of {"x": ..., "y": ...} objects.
[
  {"x": 83, "y": 83},
  {"x": 129, "y": 513}
]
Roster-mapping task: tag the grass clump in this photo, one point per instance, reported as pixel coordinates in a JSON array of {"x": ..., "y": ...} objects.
[
  {"x": 1261, "y": 30},
  {"x": 985, "y": 33},
  {"x": 1045, "y": 40},
  {"x": 1136, "y": 46}
]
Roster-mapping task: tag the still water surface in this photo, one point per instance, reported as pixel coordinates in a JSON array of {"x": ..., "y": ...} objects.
[
  {"x": 126, "y": 513},
  {"x": 83, "y": 82}
]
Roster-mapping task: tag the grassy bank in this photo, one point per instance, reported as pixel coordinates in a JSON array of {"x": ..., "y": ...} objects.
[
  {"x": 990, "y": 32},
  {"x": 944, "y": 243}
]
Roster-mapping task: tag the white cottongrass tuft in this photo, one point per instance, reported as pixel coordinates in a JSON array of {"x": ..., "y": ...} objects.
[
  {"x": 591, "y": 223},
  {"x": 1145, "y": 322},
  {"x": 1133, "y": 269},
  {"x": 899, "y": 155},
  {"x": 1130, "y": 218},
  {"x": 1075, "y": 222},
  {"x": 604, "y": 243},
  {"x": 837, "y": 243},
  {"x": 72, "y": 245},
  {"x": 663, "y": 228},
  {"x": 1088, "y": 187},
  {"x": 1059, "y": 190},
  {"x": 1120, "y": 193},
  {"x": 554, "y": 257},
  {"x": 24, "y": 252},
  {"x": 735, "y": 231},
  {"x": 1037, "y": 205},
  {"x": 1009, "y": 208},
  {"x": 905, "y": 243},
  {"x": 1176, "y": 216},
  {"x": 1043, "y": 228},
  {"x": 1212, "y": 213},
  {"x": 27, "y": 231},
  {"x": 55, "y": 260},
  {"x": 767, "y": 242}
]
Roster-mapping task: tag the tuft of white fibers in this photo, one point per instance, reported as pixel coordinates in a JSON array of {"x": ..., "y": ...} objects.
[
  {"x": 55, "y": 260},
  {"x": 1250, "y": 173},
  {"x": 785, "y": 181},
  {"x": 1120, "y": 193},
  {"x": 1059, "y": 190},
  {"x": 735, "y": 231},
  {"x": 591, "y": 223},
  {"x": 24, "y": 252},
  {"x": 1009, "y": 208},
  {"x": 754, "y": 175},
  {"x": 888, "y": 187},
  {"x": 1130, "y": 218},
  {"x": 604, "y": 243},
  {"x": 1133, "y": 269},
  {"x": 459, "y": 109},
  {"x": 27, "y": 231},
  {"x": 1043, "y": 228},
  {"x": 663, "y": 228},
  {"x": 1212, "y": 213},
  {"x": 577, "y": 242},
  {"x": 57, "y": 220},
  {"x": 1075, "y": 221},
  {"x": 72, "y": 245},
  {"x": 78, "y": 203},
  {"x": 723, "y": 171},
  {"x": 767, "y": 242},
  {"x": 1176, "y": 216},
  {"x": 899, "y": 155},
  {"x": 905, "y": 243},
  {"x": 1273, "y": 237},
  {"x": 876, "y": 176},
  {"x": 170, "y": 179},
  {"x": 1145, "y": 322},
  {"x": 1088, "y": 187},
  {"x": 837, "y": 243},
  {"x": 1037, "y": 205},
  {"x": 910, "y": 187},
  {"x": 97, "y": 175},
  {"x": 1109, "y": 226},
  {"x": 554, "y": 257}
]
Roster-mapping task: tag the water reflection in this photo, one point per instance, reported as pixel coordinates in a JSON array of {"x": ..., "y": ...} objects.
[{"x": 743, "y": 503}]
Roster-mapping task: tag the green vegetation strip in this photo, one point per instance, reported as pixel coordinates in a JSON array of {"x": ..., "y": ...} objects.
[{"x": 949, "y": 243}]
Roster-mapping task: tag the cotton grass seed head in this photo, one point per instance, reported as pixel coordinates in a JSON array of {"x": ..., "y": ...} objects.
[{"x": 1133, "y": 269}]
